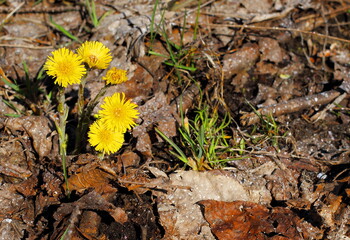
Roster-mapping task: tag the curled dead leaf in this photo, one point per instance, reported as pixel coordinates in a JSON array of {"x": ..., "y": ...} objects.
[{"x": 97, "y": 178}]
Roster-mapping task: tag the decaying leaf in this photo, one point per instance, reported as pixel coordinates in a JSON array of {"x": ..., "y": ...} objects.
[
  {"x": 155, "y": 111},
  {"x": 248, "y": 220},
  {"x": 89, "y": 223},
  {"x": 91, "y": 201},
  {"x": 240, "y": 61},
  {"x": 96, "y": 177},
  {"x": 181, "y": 216},
  {"x": 38, "y": 128}
]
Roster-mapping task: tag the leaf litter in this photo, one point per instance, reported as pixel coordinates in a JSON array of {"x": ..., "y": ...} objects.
[{"x": 289, "y": 59}]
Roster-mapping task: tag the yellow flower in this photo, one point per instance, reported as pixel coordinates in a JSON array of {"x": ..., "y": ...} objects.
[
  {"x": 104, "y": 139},
  {"x": 66, "y": 66},
  {"x": 115, "y": 76},
  {"x": 117, "y": 113},
  {"x": 95, "y": 54}
]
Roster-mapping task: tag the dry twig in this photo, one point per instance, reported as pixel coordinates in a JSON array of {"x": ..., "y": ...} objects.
[{"x": 291, "y": 106}]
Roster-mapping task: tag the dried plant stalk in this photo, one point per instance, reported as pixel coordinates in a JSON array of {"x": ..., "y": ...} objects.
[{"x": 291, "y": 106}]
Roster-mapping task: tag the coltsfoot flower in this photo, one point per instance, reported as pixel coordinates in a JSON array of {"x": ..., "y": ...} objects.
[
  {"x": 95, "y": 54},
  {"x": 118, "y": 113},
  {"x": 66, "y": 66},
  {"x": 115, "y": 76},
  {"x": 105, "y": 139}
]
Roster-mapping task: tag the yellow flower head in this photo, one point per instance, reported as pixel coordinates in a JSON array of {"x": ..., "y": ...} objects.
[
  {"x": 115, "y": 76},
  {"x": 104, "y": 139},
  {"x": 95, "y": 54},
  {"x": 66, "y": 66},
  {"x": 117, "y": 113}
]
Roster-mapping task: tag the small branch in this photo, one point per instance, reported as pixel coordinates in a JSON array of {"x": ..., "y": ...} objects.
[
  {"x": 291, "y": 106},
  {"x": 11, "y": 14},
  {"x": 26, "y": 46},
  {"x": 294, "y": 30}
]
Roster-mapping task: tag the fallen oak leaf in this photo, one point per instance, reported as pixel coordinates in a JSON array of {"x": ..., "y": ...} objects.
[
  {"x": 97, "y": 177},
  {"x": 248, "y": 220}
]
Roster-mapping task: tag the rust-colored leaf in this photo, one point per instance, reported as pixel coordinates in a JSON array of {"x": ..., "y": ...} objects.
[
  {"x": 248, "y": 220},
  {"x": 89, "y": 223},
  {"x": 97, "y": 178}
]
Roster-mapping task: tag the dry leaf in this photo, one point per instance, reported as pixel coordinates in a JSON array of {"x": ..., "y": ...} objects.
[{"x": 248, "y": 220}]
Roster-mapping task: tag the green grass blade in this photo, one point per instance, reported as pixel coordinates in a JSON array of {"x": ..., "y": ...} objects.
[
  {"x": 192, "y": 69},
  {"x": 178, "y": 150},
  {"x": 10, "y": 105},
  {"x": 15, "y": 87},
  {"x": 91, "y": 8},
  {"x": 158, "y": 54},
  {"x": 63, "y": 30},
  {"x": 153, "y": 33},
  {"x": 13, "y": 115}
]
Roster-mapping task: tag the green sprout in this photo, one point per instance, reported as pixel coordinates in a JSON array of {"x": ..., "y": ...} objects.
[
  {"x": 204, "y": 140},
  {"x": 179, "y": 57},
  {"x": 63, "y": 30},
  {"x": 268, "y": 129}
]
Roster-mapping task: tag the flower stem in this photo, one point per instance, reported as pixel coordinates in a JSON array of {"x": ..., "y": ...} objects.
[
  {"x": 61, "y": 129},
  {"x": 81, "y": 100},
  {"x": 80, "y": 116},
  {"x": 84, "y": 120},
  {"x": 101, "y": 155}
]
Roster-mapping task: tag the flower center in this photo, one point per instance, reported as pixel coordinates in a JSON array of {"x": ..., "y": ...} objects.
[
  {"x": 117, "y": 112},
  {"x": 115, "y": 76},
  {"x": 65, "y": 68},
  {"x": 93, "y": 59},
  {"x": 106, "y": 136}
]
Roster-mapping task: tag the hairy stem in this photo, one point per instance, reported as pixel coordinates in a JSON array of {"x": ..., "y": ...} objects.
[{"x": 61, "y": 129}]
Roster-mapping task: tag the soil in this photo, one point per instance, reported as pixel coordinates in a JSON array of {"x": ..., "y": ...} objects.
[{"x": 278, "y": 70}]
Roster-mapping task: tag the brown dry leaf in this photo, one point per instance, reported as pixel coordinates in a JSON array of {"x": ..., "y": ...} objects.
[
  {"x": 144, "y": 145},
  {"x": 21, "y": 31},
  {"x": 50, "y": 193},
  {"x": 242, "y": 60},
  {"x": 91, "y": 201},
  {"x": 11, "y": 202},
  {"x": 286, "y": 188},
  {"x": 240, "y": 80},
  {"x": 248, "y": 220},
  {"x": 16, "y": 213},
  {"x": 51, "y": 184},
  {"x": 181, "y": 216},
  {"x": 128, "y": 159},
  {"x": 154, "y": 111},
  {"x": 271, "y": 50},
  {"x": 88, "y": 226},
  {"x": 96, "y": 176},
  {"x": 28, "y": 186},
  {"x": 12, "y": 170},
  {"x": 136, "y": 180},
  {"x": 16, "y": 157},
  {"x": 329, "y": 212},
  {"x": 265, "y": 93},
  {"x": 39, "y": 130},
  {"x": 266, "y": 68},
  {"x": 12, "y": 229},
  {"x": 42, "y": 201}
]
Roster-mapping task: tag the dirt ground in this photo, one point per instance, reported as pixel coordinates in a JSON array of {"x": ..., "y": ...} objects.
[{"x": 279, "y": 70}]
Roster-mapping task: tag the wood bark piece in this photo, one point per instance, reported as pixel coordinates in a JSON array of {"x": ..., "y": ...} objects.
[{"x": 291, "y": 106}]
